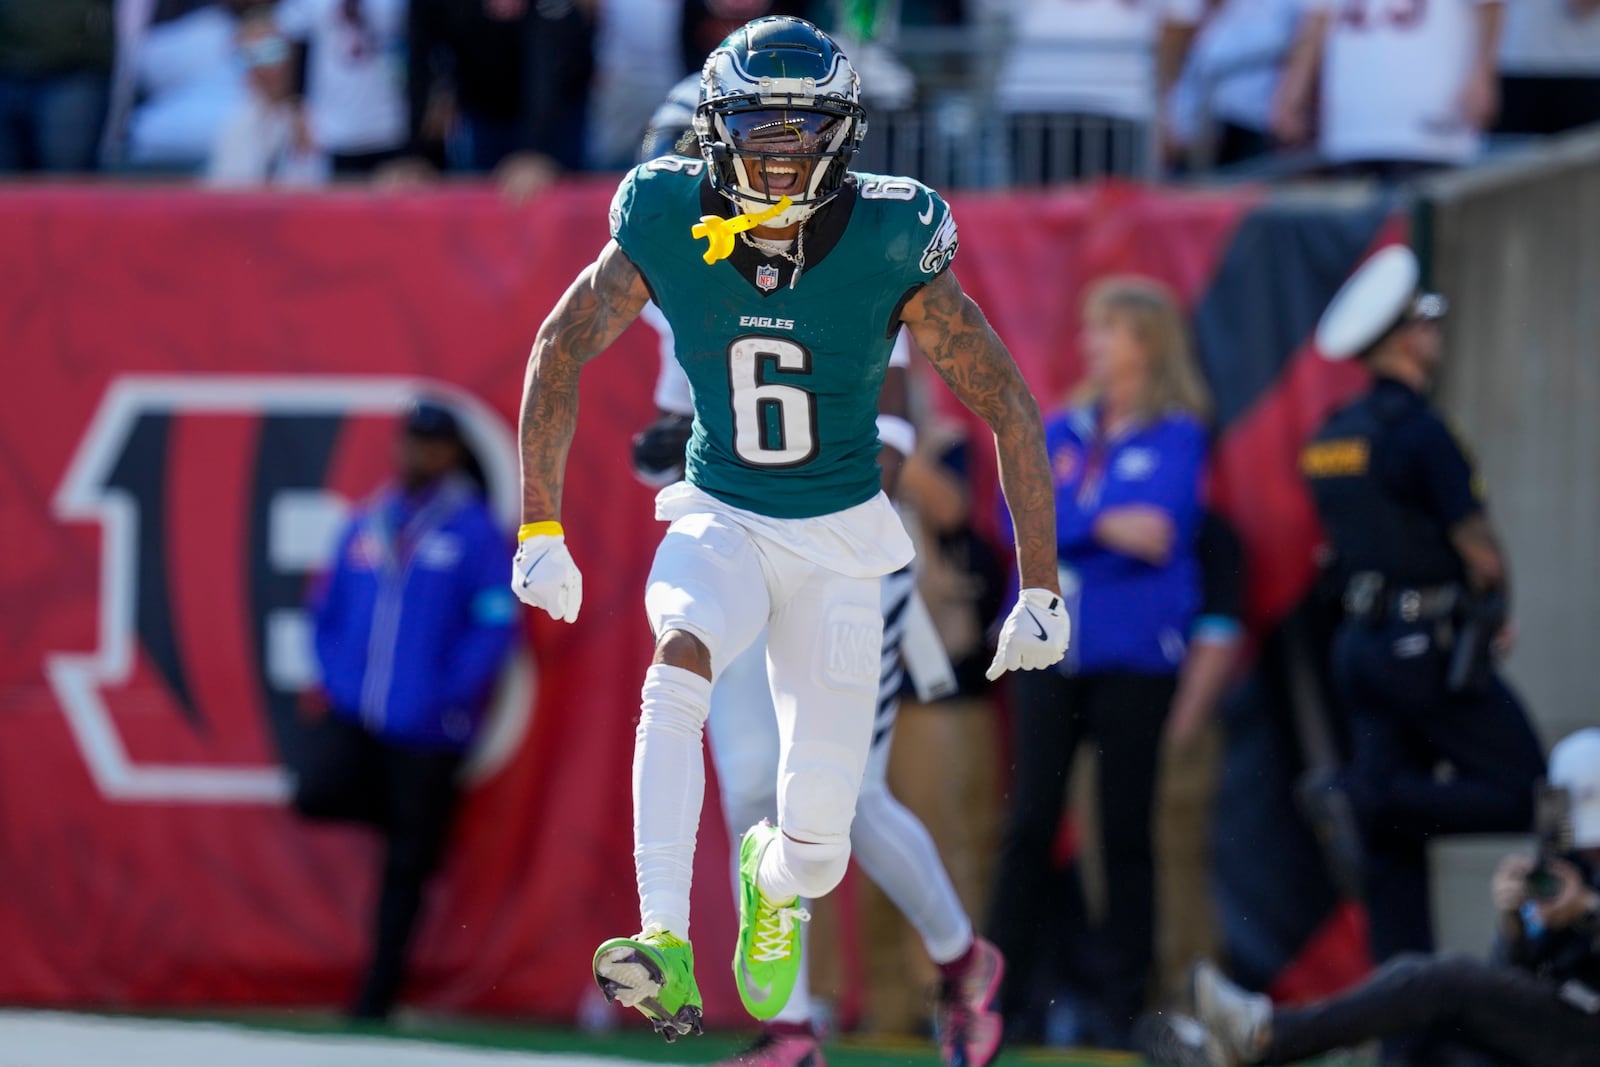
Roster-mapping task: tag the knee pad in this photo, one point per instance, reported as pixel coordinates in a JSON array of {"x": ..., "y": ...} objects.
[
  {"x": 816, "y": 805},
  {"x": 702, "y": 567},
  {"x": 817, "y": 867},
  {"x": 817, "y": 791},
  {"x": 688, "y": 609}
]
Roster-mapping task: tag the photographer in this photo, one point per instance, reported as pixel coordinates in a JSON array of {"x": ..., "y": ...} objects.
[{"x": 1538, "y": 1007}]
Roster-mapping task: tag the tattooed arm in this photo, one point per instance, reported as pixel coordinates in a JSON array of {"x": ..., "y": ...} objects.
[
  {"x": 950, "y": 329},
  {"x": 594, "y": 310}
]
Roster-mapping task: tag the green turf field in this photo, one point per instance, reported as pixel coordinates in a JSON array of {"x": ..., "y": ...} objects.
[
  {"x": 292, "y": 1039},
  {"x": 52, "y": 1039}
]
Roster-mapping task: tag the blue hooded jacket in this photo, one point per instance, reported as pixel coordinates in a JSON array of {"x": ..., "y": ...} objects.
[{"x": 415, "y": 620}]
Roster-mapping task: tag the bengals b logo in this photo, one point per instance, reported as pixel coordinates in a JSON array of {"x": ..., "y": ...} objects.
[{"x": 218, "y": 499}]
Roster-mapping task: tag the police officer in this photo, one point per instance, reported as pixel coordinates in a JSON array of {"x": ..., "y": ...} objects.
[{"x": 1425, "y": 593}]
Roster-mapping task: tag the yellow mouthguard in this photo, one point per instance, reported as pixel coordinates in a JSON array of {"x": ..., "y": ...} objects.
[{"x": 719, "y": 231}]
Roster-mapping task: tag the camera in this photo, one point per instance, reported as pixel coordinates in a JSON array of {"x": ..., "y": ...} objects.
[{"x": 1552, "y": 826}]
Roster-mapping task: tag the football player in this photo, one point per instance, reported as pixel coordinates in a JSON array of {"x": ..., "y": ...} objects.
[
  {"x": 887, "y": 839},
  {"x": 784, "y": 322}
]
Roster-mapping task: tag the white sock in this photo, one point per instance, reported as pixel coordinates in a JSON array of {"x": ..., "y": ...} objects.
[
  {"x": 669, "y": 784},
  {"x": 791, "y": 868}
]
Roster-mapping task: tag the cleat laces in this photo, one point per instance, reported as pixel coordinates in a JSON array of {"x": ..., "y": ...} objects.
[{"x": 774, "y": 929}]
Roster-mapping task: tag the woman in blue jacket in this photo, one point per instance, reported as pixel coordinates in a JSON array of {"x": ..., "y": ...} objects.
[{"x": 1127, "y": 455}]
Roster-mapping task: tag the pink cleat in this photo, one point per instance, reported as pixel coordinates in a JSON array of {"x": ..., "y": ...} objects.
[
  {"x": 969, "y": 1028},
  {"x": 779, "y": 1049}
]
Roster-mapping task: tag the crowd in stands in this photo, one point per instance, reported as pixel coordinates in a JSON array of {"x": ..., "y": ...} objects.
[{"x": 301, "y": 92}]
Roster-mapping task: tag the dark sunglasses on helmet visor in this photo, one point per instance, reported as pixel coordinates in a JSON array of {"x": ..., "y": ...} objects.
[{"x": 779, "y": 131}]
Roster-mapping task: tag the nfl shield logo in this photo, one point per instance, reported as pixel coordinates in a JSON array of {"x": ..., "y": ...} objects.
[{"x": 766, "y": 278}]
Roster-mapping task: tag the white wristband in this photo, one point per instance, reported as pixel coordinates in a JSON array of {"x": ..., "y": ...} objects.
[{"x": 897, "y": 433}]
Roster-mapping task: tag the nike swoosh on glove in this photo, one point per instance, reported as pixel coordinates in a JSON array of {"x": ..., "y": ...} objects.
[
  {"x": 544, "y": 576},
  {"x": 1034, "y": 636}
]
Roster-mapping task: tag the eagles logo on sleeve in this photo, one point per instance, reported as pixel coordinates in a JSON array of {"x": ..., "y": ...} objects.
[{"x": 941, "y": 247}]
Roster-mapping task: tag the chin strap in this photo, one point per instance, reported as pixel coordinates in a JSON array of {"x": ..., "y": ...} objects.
[{"x": 719, "y": 232}]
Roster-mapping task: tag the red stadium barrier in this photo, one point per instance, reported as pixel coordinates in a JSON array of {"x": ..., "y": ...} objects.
[{"x": 171, "y": 354}]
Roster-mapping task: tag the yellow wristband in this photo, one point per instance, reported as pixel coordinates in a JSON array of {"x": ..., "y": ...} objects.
[{"x": 550, "y": 528}]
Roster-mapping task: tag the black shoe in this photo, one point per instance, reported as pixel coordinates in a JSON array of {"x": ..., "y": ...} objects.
[{"x": 1325, "y": 803}]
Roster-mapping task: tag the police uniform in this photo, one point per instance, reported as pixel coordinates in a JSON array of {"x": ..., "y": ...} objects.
[{"x": 1390, "y": 483}]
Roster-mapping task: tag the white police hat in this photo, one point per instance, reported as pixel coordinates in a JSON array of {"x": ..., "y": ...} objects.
[
  {"x": 1377, "y": 298},
  {"x": 1575, "y": 766}
]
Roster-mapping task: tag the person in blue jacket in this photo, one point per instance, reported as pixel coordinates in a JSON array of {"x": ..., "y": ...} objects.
[
  {"x": 1127, "y": 456},
  {"x": 413, "y": 624}
]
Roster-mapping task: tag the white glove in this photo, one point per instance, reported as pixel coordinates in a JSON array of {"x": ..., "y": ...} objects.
[
  {"x": 1034, "y": 636},
  {"x": 544, "y": 576}
]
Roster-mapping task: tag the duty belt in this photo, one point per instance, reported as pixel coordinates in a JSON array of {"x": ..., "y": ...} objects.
[{"x": 1369, "y": 598}]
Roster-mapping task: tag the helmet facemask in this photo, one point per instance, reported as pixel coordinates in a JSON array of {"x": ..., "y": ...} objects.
[{"x": 755, "y": 131}]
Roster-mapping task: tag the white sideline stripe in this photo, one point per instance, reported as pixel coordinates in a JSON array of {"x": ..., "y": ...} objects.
[{"x": 50, "y": 1039}]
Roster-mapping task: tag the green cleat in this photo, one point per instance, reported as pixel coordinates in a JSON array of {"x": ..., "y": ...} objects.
[
  {"x": 766, "y": 958},
  {"x": 653, "y": 972}
]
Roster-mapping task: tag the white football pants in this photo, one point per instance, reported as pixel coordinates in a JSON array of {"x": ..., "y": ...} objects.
[
  {"x": 721, "y": 583},
  {"x": 890, "y": 843}
]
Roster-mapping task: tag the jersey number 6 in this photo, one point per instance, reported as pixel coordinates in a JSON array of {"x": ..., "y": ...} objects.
[{"x": 774, "y": 425}]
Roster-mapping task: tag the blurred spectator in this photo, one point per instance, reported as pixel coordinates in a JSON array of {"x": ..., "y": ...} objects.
[
  {"x": 1215, "y": 636},
  {"x": 637, "y": 61},
  {"x": 1404, "y": 88},
  {"x": 1537, "y": 1006},
  {"x": 1191, "y": 759},
  {"x": 1550, "y": 66},
  {"x": 867, "y": 30},
  {"x": 1127, "y": 458},
  {"x": 1081, "y": 82},
  {"x": 497, "y": 86},
  {"x": 179, "y": 79},
  {"x": 266, "y": 142},
  {"x": 1220, "y": 112},
  {"x": 352, "y": 66},
  {"x": 706, "y": 22},
  {"x": 412, "y": 628},
  {"x": 55, "y": 73},
  {"x": 959, "y": 572},
  {"x": 671, "y": 120}
]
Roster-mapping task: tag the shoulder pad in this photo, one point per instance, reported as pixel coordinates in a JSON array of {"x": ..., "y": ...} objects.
[
  {"x": 908, "y": 206},
  {"x": 642, "y": 191}
]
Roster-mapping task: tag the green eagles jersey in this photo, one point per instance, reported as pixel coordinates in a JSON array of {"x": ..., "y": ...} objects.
[{"x": 785, "y": 377}]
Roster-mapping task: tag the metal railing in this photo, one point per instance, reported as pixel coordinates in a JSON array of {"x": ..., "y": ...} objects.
[{"x": 956, "y": 136}]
